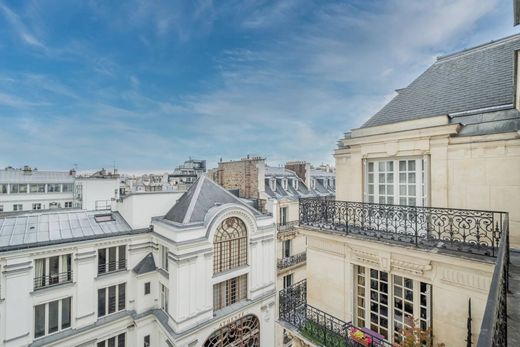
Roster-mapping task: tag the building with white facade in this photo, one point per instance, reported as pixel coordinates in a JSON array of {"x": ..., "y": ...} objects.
[
  {"x": 202, "y": 274},
  {"x": 31, "y": 189}
]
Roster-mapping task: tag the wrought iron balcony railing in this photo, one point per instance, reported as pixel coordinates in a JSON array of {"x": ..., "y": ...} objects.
[
  {"x": 319, "y": 326},
  {"x": 112, "y": 266},
  {"x": 493, "y": 331},
  {"x": 41, "y": 282},
  {"x": 292, "y": 260},
  {"x": 473, "y": 231}
]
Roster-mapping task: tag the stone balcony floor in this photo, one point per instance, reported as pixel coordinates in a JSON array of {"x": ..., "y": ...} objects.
[{"x": 513, "y": 300}]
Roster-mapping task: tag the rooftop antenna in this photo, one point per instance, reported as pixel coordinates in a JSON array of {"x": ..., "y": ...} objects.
[{"x": 114, "y": 162}]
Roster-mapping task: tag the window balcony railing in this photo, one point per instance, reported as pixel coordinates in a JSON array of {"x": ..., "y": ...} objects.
[
  {"x": 319, "y": 326},
  {"x": 472, "y": 231},
  {"x": 41, "y": 282},
  {"x": 112, "y": 266},
  {"x": 292, "y": 260},
  {"x": 493, "y": 330}
]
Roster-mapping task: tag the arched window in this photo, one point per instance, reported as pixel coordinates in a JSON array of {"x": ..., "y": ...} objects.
[
  {"x": 244, "y": 332},
  {"x": 230, "y": 245}
]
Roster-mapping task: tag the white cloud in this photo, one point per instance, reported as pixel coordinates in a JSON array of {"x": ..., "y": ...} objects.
[{"x": 20, "y": 28}]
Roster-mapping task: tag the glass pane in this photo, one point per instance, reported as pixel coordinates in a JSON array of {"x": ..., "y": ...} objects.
[
  {"x": 390, "y": 178},
  {"x": 390, "y": 190},
  {"x": 412, "y": 202},
  {"x": 402, "y": 165},
  {"x": 389, "y": 166},
  {"x": 370, "y": 167},
  {"x": 411, "y": 177},
  {"x": 122, "y": 297},
  {"x": 111, "y": 299},
  {"x": 381, "y": 166},
  {"x": 402, "y": 201},
  {"x": 122, "y": 257},
  {"x": 53, "y": 316},
  {"x": 101, "y": 302},
  {"x": 381, "y": 178},
  {"x": 390, "y": 199},
  {"x": 112, "y": 258},
  {"x": 112, "y": 342},
  {"x": 411, "y": 165},
  {"x": 54, "y": 269},
  {"x": 370, "y": 189},
  {"x": 371, "y": 198},
  {"x": 370, "y": 178},
  {"x": 381, "y": 189},
  {"x": 102, "y": 258},
  {"x": 65, "y": 313},
  {"x": 121, "y": 340},
  {"x": 39, "y": 320},
  {"x": 402, "y": 178},
  {"x": 402, "y": 189},
  {"x": 411, "y": 190}
]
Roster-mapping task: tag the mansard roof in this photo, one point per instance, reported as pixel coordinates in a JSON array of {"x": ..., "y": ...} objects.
[
  {"x": 480, "y": 78},
  {"x": 33, "y": 229},
  {"x": 202, "y": 195},
  {"x": 147, "y": 264}
]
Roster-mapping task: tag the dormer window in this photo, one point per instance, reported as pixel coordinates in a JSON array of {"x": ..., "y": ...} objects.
[
  {"x": 272, "y": 184},
  {"x": 313, "y": 183},
  {"x": 284, "y": 184}
]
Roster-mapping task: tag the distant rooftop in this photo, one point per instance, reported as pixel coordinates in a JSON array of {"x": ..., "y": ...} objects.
[
  {"x": 29, "y": 175},
  {"x": 26, "y": 230},
  {"x": 204, "y": 194},
  {"x": 478, "y": 78}
]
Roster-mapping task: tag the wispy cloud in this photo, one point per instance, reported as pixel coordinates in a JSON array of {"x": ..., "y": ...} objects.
[{"x": 20, "y": 28}]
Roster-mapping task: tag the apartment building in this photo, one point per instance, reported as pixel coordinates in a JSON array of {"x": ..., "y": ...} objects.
[
  {"x": 416, "y": 243},
  {"x": 201, "y": 274},
  {"x": 277, "y": 190},
  {"x": 31, "y": 189}
]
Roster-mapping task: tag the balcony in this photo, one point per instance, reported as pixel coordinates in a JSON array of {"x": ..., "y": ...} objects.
[
  {"x": 470, "y": 231},
  {"x": 112, "y": 266},
  {"x": 287, "y": 229},
  {"x": 293, "y": 260},
  {"x": 459, "y": 230},
  {"x": 52, "y": 280},
  {"x": 319, "y": 327}
]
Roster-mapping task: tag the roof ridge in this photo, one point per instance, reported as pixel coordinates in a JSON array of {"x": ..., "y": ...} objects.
[
  {"x": 193, "y": 201},
  {"x": 478, "y": 47}
]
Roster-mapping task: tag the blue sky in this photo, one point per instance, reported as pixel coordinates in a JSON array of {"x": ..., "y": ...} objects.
[{"x": 150, "y": 83}]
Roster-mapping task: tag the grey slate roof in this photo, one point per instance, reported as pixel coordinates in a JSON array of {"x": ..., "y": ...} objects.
[
  {"x": 477, "y": 78},
  {"x": 18, "y": 176},
  {"x": 279, "y": 173},
  {"x": 37, "y": 229},
  {"x": 202, "y": 195},
  {"x": 147, "y": 264}
]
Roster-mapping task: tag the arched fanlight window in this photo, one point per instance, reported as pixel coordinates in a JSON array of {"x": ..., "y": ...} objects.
[
  {"x": 244, "y": 332},
  {"x": 230, "y": 245}
]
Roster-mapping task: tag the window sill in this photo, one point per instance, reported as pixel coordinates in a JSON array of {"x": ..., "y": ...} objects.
[
  {"x": 241, "y": 270},
  {"x": 49, "y": 288},
  {"x": 51, "y": 334},
  {"x": 107, "y": 274}
]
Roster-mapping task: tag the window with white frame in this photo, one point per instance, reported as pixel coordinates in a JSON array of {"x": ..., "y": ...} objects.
[
  {"x": 3, "y": 188},
  {"x": 284, "y": 183},
  {"x": 37, "y": 188},
  {"x": 286, "y": 248},
  {"x": 165, "y": 293},
  {"x": 54, "y": 205},
  {"x": 17, "y": 207},
  {"x": 388, "y": 304},
  {"x": 229, "y": 292},
  {"x": 111, "y": 259},
  {"x": 52, "y": 317},
  {"x": 52, "y": 270},
  {"x": 283, "y": 215},
  {"x": 295, "y": 183},
  {"x": 53, "y": 188},
  {"x": 114, "y": 341},
  {"x": 288, "y": 280},
  {"x": 37, "y": 206},
  {"x": 18, "y": 188},
  {"x": 68, "y": 204},
  {"x": 396, "y": 181},
  {"x": 272, "y": 184},
  {"x": 68, "y": 187},
  {"x": 111, "y": 299},
  {"x": 164, "y": 258}
]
